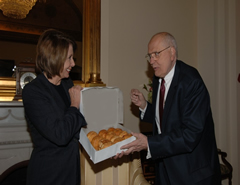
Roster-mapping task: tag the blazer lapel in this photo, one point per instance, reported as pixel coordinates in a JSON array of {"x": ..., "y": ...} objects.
[
  {"x": 155, "y": 91},
  {"x": 171, "y": 93},
  {"x": 154, "y": 103},
  {"x": 52, "y": 92}
]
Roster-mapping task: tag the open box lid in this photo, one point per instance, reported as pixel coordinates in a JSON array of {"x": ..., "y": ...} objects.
[{"x": 101, "y": 106}]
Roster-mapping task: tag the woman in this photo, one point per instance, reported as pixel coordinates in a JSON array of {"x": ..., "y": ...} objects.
[{"x": 51, "y": 104}]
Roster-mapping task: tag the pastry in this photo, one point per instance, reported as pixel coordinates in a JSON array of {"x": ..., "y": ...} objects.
[
  {"x": 91, "y": 135},
  {"x": 123, "y": 133},
  {"x": 107, "y": 137},
  {"x": 114, "y": 137},
  {"x": 118, "y": 139},
  {"x": 111, "y": 129},
  {"x": 127, "y": 136},
  {"x": 95, "y": 142},
  {"x": 102, "y": 133},
  {"x": 117, "y": 131},
  {"x": 104, "y": 143}
]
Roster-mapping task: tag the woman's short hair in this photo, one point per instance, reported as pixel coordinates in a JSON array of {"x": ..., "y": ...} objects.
[{"x": 52, "y": 50}]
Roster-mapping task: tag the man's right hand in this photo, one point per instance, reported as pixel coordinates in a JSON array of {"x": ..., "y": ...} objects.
[{"x": 138, "y": 99}]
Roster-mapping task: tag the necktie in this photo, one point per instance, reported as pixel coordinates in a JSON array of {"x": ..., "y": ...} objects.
[{"x": 161, "y": 100}]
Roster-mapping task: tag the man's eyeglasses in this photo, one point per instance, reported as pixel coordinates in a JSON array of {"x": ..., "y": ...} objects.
[{"x": 154, "y": 54}]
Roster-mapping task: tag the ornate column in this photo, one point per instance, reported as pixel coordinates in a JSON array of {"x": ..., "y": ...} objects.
[{"x": 91, "y": 42}]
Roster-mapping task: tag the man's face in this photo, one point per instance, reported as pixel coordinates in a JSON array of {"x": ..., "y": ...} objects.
[{"x": 164, "y": 62}]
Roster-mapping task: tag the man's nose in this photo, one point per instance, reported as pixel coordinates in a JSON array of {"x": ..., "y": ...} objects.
[{"x": 152, "y": 59}]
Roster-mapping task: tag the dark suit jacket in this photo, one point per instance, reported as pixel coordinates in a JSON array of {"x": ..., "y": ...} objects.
[
  {"x": 54, "y": 128},
  {"x": 185, "y": 151}
]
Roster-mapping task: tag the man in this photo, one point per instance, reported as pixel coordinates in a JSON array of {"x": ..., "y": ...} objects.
[{"x": 183, "y": 144}]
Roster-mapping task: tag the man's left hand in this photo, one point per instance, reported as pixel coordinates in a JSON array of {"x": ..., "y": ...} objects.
[{"x": 141, "y": 143}]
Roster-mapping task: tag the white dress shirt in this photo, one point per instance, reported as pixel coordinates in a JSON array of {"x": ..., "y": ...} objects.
[{"x": 168, "y": 80}]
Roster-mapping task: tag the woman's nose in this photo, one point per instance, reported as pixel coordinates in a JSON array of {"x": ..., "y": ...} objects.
[{"x": 73, "y": 62}]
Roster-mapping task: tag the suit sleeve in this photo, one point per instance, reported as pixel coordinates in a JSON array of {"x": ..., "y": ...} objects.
[{"x": 43, "y": 114}]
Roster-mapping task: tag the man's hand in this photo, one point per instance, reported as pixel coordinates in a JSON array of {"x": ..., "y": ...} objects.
[
  {"x": 137, "y": 145},
  {"x": 138, "y": 99}
]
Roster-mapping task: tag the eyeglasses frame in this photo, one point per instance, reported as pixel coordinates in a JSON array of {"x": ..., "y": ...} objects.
[{"x": 156, "y": 54}]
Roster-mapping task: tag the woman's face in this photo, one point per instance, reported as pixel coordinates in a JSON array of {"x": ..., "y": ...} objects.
[{"x": 68, "y": 64}]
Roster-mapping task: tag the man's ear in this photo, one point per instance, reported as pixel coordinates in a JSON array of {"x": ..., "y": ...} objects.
[{"x": 173, "y": 52}]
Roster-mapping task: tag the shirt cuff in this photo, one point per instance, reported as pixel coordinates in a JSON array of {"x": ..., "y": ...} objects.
[
  {"x": 148, "y": 156},
  {"x": 143, "y": 111}
]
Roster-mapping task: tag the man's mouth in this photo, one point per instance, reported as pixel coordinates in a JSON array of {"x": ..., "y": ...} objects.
[{"x": 155, "y": 68}]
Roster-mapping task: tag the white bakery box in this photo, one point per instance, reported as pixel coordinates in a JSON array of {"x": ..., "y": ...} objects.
[{"x": 102, "y": 108}]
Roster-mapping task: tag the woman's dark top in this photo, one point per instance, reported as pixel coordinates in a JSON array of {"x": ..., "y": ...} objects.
[{"x": 54, "y": 127}]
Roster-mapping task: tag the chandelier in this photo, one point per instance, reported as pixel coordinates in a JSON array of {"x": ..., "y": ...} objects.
[{"x": 17, "y": 9}]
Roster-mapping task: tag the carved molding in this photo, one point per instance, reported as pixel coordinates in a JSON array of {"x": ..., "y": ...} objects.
[
  {"x": 13, "y": 142},
  {"x": 12, "y": 114}
]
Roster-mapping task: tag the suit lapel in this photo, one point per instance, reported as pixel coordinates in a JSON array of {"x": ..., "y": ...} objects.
[
  {"x": 53, "y": 93},
  {"x": 155, "y": 91},
  {"x": 154, "y": 103},
  {"x": 171, "y": 93}
]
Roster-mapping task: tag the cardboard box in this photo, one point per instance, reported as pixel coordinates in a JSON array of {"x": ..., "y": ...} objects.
[{"x": 102, "y": 108}]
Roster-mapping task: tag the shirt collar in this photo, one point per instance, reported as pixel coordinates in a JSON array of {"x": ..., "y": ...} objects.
[{"x": 168, "y": 78}]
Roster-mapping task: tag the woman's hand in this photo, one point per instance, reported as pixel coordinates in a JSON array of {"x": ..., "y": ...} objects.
[{"x": 75, "y": 96}]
